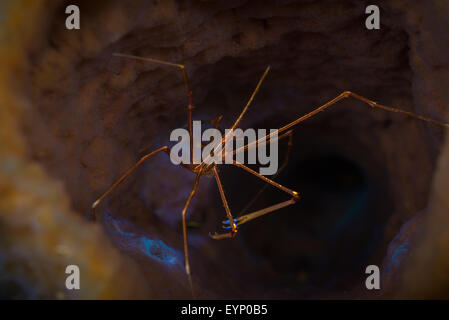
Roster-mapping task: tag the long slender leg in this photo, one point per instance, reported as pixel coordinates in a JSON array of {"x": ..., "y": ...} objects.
[
  {"x": 281, "y": 168},
  {"x": 294, "y": 194},
  {"x": 243, "y": 219},
  {"x": 371, "y": 103},
  {"x": 187, "y": 86},
  {"x": 261, "y": 141},
  {"x": 184, "y": 229},
  {"x": 165, "y": 149},
  {"x": 233, "y": 226},
  {"x": 236, "y": 123},
  {"x": 127, "y": 173},
  {"x": 253, "y": 215},
  {"x": 343, "y": 95}
]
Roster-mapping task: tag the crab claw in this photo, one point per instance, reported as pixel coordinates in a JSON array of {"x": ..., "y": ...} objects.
[
  {"x": 229, "y": 226},
  {"x": 221, "y": 236}
]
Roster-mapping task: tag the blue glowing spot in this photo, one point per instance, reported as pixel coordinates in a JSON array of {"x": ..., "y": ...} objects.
[
  {"x": 157, "y": 249},
  {"x": 135, "y": 239},
  {"x": 227, "y": 221},
  {"x": 399, "y": 253},
  {"x": 120, "y": 231}
]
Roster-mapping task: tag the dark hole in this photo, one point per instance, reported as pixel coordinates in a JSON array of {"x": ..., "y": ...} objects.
[{"x": 326, "y": 239}]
